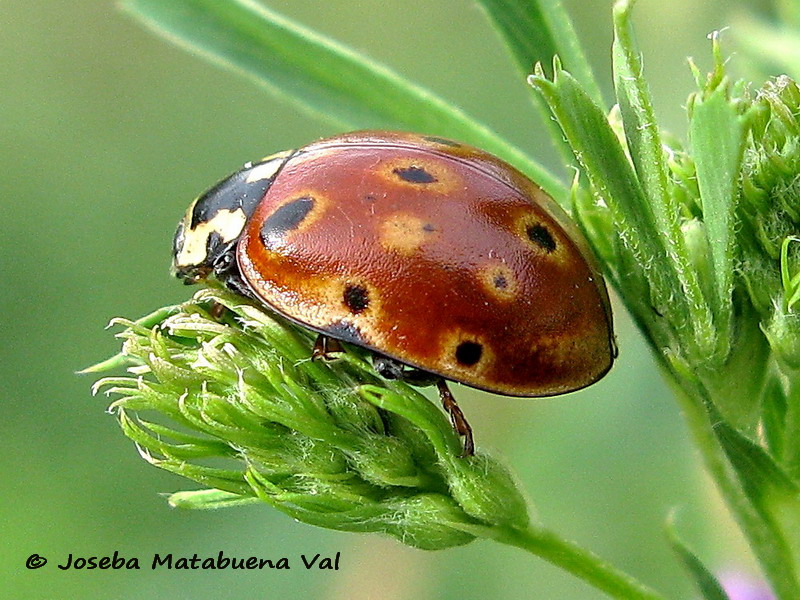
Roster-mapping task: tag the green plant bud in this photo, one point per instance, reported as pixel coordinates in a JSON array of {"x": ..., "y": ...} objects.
[
  {"x": 697, "y": 247},
  {"x": 771, "y": 186},
  {"x": 481, "y": 485},
  {"x": 487, "y": 491},
  {"x": 770, "y": 215},
  {"x": 429, "y": 522},
  {"x": 240, "y": 407},
  {"x": 783, "y": 333},
  {"x": 759, "y": 274},
  {"x": 683, "y": 177},
  {"x": 386, "y": 460}
]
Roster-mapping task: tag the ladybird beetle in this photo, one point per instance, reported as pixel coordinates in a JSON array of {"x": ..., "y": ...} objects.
[{"x": 442, "y": 260}]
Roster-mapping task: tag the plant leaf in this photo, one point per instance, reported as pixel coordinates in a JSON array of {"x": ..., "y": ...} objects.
[
  {"x": 761, "y": 476},
  {"x": 644, "y": 142},
  {"x": 717, "y": 135},
  {"x": 535, "y": 31},
  {"x": 774, "y": 415},
  {"x": 776, "y": 498},
  {"x": 708, "y": 585},
  {"x": 612, "y": 178},
  {"x": 328, "y": 79}
]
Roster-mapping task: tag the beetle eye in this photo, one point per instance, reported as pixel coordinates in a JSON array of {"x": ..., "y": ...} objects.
[{"x": 178, "y": 239}]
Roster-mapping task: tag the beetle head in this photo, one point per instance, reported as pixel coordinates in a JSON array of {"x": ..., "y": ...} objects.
[{"x": 206, "y": 237}]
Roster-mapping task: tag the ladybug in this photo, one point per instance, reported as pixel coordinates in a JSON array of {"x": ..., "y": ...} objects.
[{"x": 442, "y": 260}]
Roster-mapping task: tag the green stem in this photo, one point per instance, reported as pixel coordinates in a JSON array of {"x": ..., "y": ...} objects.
[
  {"x": 567, "y": 555},
  {"x": 792, "y": 428},
  {"x": 699, "y": 412}
]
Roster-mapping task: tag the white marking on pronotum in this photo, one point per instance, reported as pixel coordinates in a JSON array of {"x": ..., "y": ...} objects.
[
  {"x": 227, "y": 223},
  {"x": 263, "y": 171}
]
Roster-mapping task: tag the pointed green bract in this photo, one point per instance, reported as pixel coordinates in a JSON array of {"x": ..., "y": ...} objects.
[
  {"x": 208, "y": 500},
  {"x": 618, "y": 193},
  {"x": 717, "y": 133}
]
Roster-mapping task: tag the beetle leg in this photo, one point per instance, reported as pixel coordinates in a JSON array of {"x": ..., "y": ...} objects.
[
  {"x": 217, "y": 310},
  {"x": 237, "y": 285},
  {"x": 457, "y": 417},
  {"x": 326, "y": 348},
  {"x": 390, "y": 368}
]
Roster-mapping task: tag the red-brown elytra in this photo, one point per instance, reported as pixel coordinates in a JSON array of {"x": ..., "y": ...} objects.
[{"x": 441, "y": 259}]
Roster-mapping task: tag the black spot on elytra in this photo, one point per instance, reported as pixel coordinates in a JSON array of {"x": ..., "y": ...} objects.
[
  {"x": 541, "y": 236},
  {"x": 286, "y": 218},
  {"x": 442, "y": 141},
  {"x": 428, "y": 228},
  {"x": 468, "y": 353},
  {"x": 232, "y": 193},
  {"x": 356, "y": 298},
  {"x": 346, "y": 332},
  {"x": 414, "y": 174},
  {"x": 500, "y": 282}
]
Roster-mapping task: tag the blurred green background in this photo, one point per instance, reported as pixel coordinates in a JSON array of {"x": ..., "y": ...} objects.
[{"x": 107, "y": 133}]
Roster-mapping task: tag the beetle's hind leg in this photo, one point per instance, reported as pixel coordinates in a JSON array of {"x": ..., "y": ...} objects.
[
  {"x": 392, "y": 369},
  {"x": 457, "y": 417},
  {"x": 326, "y": 348}
]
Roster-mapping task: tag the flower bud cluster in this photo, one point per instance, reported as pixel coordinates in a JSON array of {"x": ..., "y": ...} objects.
[
  {"x": 226, "y": 395},
  {"x": 770, "y": 215}
]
